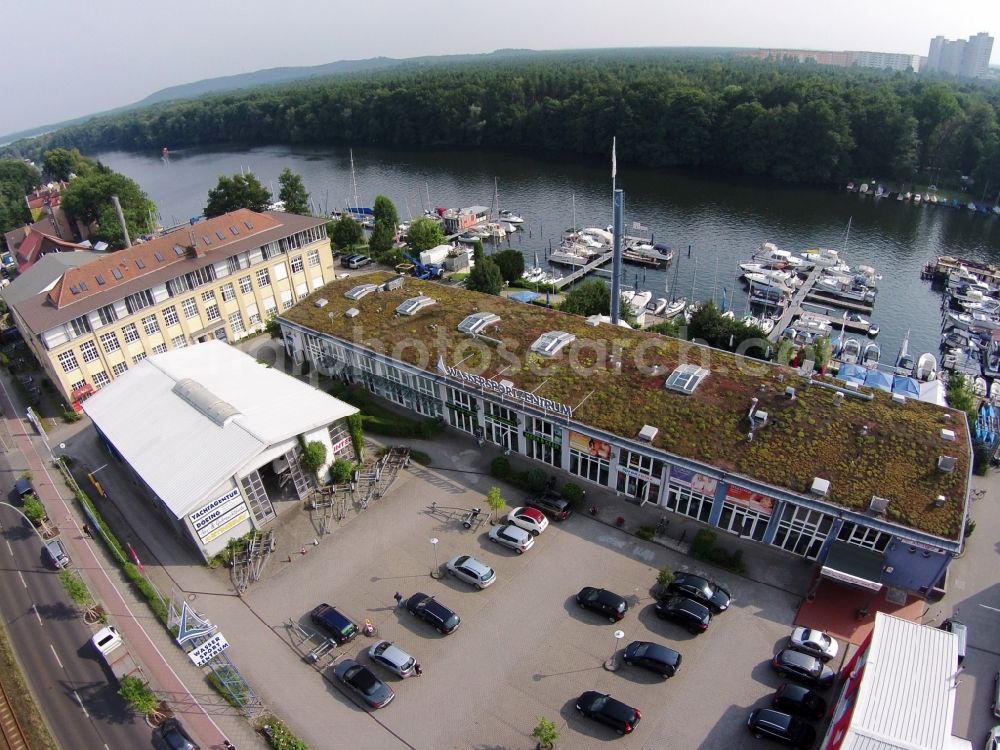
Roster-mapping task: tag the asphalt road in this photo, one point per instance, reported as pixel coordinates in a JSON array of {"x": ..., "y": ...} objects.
[{"x": 67, "y": 678}]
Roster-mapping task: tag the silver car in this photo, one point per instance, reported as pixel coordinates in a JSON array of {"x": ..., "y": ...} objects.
[
  {"x": 512, "y": 536},
  {"x": 392, "y": 658},
  {"x": 470, "y": 570}
]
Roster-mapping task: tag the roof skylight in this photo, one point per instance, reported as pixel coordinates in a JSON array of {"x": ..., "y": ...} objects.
[
  {"x": 686, "y": 378},
  {"x": 415, "y": 304},
  {"x": 549, "y": 344},
  {"x": 360, "y": 291},
  {"x": 476, "y": 322}
]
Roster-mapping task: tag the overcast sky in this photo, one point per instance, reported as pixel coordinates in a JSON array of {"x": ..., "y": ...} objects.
[{"x": 67, "y": 58}]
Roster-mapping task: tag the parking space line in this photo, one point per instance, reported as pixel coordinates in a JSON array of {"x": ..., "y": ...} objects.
[
  {"x": 35, "y": 610},
  {"x": 9, "y": 548},
  {"x": 57, "y": 659},
  {"x": 23, "y": 582}
]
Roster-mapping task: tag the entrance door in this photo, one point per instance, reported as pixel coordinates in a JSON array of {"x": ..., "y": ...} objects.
[
  {"x": 303, "y": 482},
  {"x": 259, "y": 502}
]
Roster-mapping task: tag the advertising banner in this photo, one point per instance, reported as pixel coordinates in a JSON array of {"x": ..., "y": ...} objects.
[
  {"x": 750, "y": 500},
  {"x": 697, "y": 482},
  {"x": 589, "y": 446}
]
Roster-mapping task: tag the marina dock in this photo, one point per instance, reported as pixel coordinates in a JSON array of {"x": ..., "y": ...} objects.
[
  {"x": 838, "y": 321},
  {"x": 794, "y": 308},
  {"x": 581, "y": 271},
  {"x": 827, "y": 301}
]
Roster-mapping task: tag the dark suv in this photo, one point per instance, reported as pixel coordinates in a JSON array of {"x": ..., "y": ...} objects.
[
  {"x": 654, "y": 657},
  {"x": 782, "y": 728},
  {"x": 686, "y": 612},
  {"x": 429, "y": 609},
  {"x": 602, "y": 601},
  {"x": 702, "y": 590},
  {"x": 338, "y": 626},
  {"x": 552, "y": 504},
  {"x": 800, "y": 701}
]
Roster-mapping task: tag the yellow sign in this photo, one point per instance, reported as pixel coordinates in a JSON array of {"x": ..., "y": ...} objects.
[{"x": 226, "y": 527}]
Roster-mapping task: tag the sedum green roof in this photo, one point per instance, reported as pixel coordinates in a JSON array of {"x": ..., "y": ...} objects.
[{"x": 863, "y": 448}]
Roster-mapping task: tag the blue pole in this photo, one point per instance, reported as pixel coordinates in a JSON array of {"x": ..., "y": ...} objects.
[{"x": 616, "y": 258}]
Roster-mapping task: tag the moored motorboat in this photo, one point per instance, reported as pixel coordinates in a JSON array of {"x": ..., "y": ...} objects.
[
  {"x": 638, "y": 301},
  {"x": 871, "y": 356},
  {"x": 675, "y": 308},
  {"x": 926, "y": 367},
  {"x": 656, "y": 306},
  {"x": 511, "y": 217},
  {"x": 851, "y": 352}
]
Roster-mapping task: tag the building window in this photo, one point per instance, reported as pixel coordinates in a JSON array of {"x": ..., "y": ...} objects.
[
  {"x": 150, "y": 325},
  {"x": 138, "y": 358},
  {"x": 136, "y": 302},
  {"x": 263, "y": 277},
  {"x": 313, "y": 256},
  {"x": 77, "y": 386},
  {"x": 501, "y": 426},
  {"x": 254, "y": 317},
  {"x": 588, "y": 466},
  {"x": 190, "y": 308},
  {"x": 543, "y": 441},
  {"x": 179, "y": 342},
  {"x": 130, "y": 333},
  {"x": 270, "y": 308},
  {"x": 89, "y": 351},
  {"x": 212, "y": 313},
  {"x": 68, "y": 361},
  {"x": 228, "y": 292},
  {"x": 280, "y": 272},
  {"x": 462, "y": 411},
  {"x": 802, "y": 531},
  {"x": 863, "y": 536},
  {"x": 245, "y": 286},
  {"x": 101, "y": 379},
  {"x": 110, "y": 342},
  {"x": 170, "y": 316},
  {"x": 236, "y": 322},
  {"x": 297, "y": 264},
  {"x": 692, "y": 502},
  {"x": 79, "y": 326},
  {"x": 119, "y": 369},
  {"x": 159, "y": 348},
  {"x": 208, "y": 296},
  {"x": 107, "y": 314},
  {"x": 425, "y": 400},
  {"x": 639, "y": 476}
]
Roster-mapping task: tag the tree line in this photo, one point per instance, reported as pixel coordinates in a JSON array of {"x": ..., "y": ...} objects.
[{"x": 786, "y": 121}]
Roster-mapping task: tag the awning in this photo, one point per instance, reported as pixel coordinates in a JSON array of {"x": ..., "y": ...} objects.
[
  {"x": 879, "y": 380},
  {"x": 852, "y": 373},
  {"x": 853, "y": 565},
  {"x": 523, "y": 296},
  {"x": 909, "y": 387}
]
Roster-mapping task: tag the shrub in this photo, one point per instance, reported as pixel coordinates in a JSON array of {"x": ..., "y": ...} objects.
[
  {"x": 313, "y": 456},
  {"x": 645, "y": 533},
  {"x": 969, "y": 528},
  {"x": 535, "y": 480},
  {"x": 354, "y": 424},
  {"x": 71, "y": 415},
  {"x": 226, "y": 690},
  {"x": 545, "y": 732},
  {"x": 278, "y": 735},
  {"x": 137, "y": 695},
  {"x": 664, "y": 576},
  {"x": 573, "y": 493},
  {"x": 34, "y": 510},
  {"x": 341, "y": 471},
  {"x": 980, "y": 460},
  {"x": 500, "y": 467},
  {"x": 702, "y": 543},
  {"x": 152, "y": 596},
  {"x": 76, "y": 588}
]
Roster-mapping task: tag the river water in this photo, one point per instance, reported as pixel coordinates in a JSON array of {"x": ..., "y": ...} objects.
[{"x": 723, "y": 222}]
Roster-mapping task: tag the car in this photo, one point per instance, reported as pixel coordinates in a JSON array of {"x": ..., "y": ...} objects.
[
  {"x": 340, "y": 627},
  {"x": 361, "y": 260},
  {"x": 345, "y": 261},
  {"x": 605, "y": 709},
  {"x": 529, "y": 519},
  {"x": 813, "y": 642},
  {"x": 363, "y": 681},
  {"x": 23, "y": 488},
  {"x": 701, "y": 590},
  {"x": 512, "y": 536},
  {"x": 603, "y": 602},
  {"x": 804, "y": 669},
  {"x": 175, "y": 737},
  {"x": 430, "y": 610},
  {"x": 392, "y": 658},
  {"x": 687, "y": 612},
  {"x": 56, "y": 553},
  {"x": 993, "y": 739},
  {"x": 654, "y": 657},
  {"x": 799, "y": 701},
  {"x": 551, "y": 503},
  {"x": 469, "y": 569},
  {"x": 782, "y": 728}
]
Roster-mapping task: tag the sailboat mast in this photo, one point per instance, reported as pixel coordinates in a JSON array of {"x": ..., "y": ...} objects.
[
  {"x": 846, "y": 236},
  {"x": 354, "y": 182}
]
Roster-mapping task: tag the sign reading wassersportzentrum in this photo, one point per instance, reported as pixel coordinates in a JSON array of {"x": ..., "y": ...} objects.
[{"x": 220, "y": 515}]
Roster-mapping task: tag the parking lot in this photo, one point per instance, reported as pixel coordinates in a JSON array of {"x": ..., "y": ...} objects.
[{"x": 524, "y": 649}]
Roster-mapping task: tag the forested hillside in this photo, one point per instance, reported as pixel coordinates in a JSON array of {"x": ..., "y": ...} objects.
[{"x": 790, "y": 122}]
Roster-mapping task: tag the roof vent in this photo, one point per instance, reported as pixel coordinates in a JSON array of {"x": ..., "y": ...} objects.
[
  {"x": 360, "y": 291},
  {"x": 790, "y": 393},
  {"x": 414, "y": 305},
  {"x": 594, "y": 320},
  {"x": 686, "y": 378},
  {"x": 476, "y": 322},
  {"x": 948, "y": 435},
  {"x": 322, "y": 302},
  {"x": 507, "y": 383},
  {"x": 939, "y": 501},
  {"x": 879, "y": 505},
  {"x": 206, "y": 402},
  {"x": 820, "y": 487},
  {"x": 850, "y": 385},
  {"x": 549, "y": 344},
  {"x": 758, "y": 419},
  {"x": 838, "y": 398},
  {"x": 395, "y": 283},
  {"x": 947, "y": 464},
  {"x": 898, "y": 398},
  {"x": 648, "y": 433},
  {"x": 352, "y": 313}
]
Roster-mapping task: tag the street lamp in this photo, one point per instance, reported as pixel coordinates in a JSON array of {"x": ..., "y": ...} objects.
[
  {"x": 435, "y": 571},
  {"x": 611, "y": 664}
]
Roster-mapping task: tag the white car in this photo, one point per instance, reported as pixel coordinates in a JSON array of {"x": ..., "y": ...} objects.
[
  {"x": 993, "y": 739},
  {"x": 529, "y": 519},
  {"x": 392, "y": 658},
  {"x": 813, "y": 642},
  {"x": 469, "y": 569},
  {"x": 512, "y": 536}
]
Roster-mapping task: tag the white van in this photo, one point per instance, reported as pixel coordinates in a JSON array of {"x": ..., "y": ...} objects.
[{"x": 57, "y": 553}]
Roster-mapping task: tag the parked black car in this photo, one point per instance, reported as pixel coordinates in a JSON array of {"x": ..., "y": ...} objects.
[
  {"x": 804, "y": 669},
  {"x": 552, "y": 504},
  {"x": 337, "y": 625},
  {"x": 429, "y": 609},
  {"x": 363, "y": 681},
  {"x": 687, "y": 612},
  {"x": 800, "y": 701},
  {"x": 654, "y": 657},
  {"x": 701, "y": 590},
  {"x": 605, "y": 709},
  {"x": 603, "y": 602},
  {"x": 774, "y": 725},
  {"x": 175, "y": 737}
]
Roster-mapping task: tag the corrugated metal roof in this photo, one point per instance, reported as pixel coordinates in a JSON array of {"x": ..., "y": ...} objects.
[
  {"x": 906, "y": 699},
  {"x": 181, "y": 451}
]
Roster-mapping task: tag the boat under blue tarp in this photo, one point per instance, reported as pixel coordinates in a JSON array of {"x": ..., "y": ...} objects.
[
  {"x": 876, "y": 379},
  {"x": 525, "y": 296},
  {"x": 909, "y": 387},
  {"x": 852, "y": 373}
]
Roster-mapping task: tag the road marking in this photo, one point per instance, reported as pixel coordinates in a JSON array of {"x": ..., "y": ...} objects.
[
  {"x": 78, "y": 700},
  {"x": 35, "y": 610},
  {"x": 23, "y": 582},
  {"x": 57, "y": 660},
  {"x": 984, "y": 606},
  {"x": 9, "y": 548}
]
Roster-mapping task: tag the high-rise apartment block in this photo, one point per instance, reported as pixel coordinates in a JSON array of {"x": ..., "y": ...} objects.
[{"x": 967, "y": 58}]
